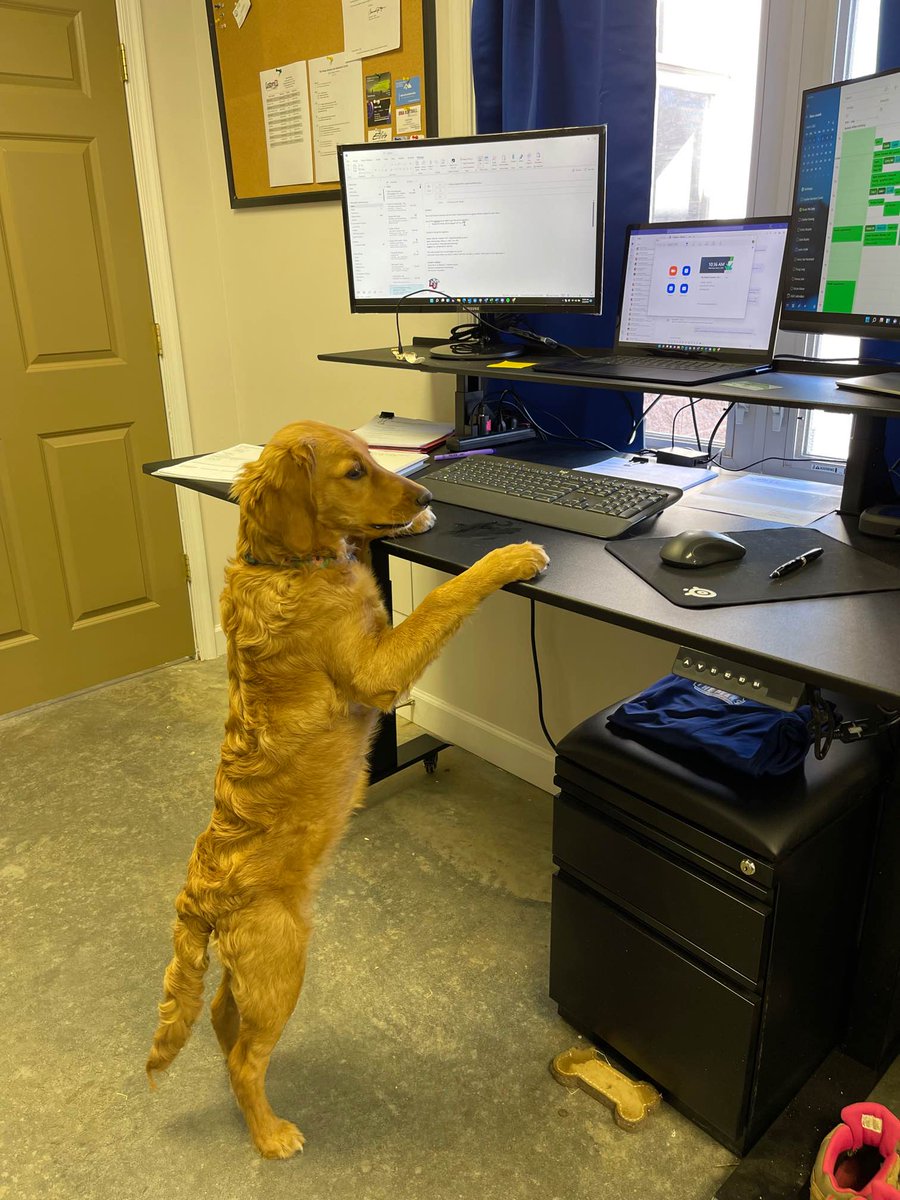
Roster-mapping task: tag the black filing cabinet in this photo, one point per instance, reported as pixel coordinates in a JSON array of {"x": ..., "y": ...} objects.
[{"x": 704, "y": 924}]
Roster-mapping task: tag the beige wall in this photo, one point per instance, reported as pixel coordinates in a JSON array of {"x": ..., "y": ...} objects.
[{"x": 260, "y": 292}]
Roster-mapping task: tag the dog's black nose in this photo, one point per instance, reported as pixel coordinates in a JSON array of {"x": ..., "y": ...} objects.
[{"x": 424, "y": 500}]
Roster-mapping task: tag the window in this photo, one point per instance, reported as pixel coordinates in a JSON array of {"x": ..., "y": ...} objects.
[
  {"x": 715, "y": 142},
  {"x": 704, "y": 114}
]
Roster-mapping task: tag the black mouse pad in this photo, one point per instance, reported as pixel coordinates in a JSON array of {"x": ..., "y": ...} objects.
[{"x": 840, "y": 571}]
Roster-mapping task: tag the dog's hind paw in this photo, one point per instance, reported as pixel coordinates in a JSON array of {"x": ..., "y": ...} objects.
[{"x": 283, "y": 1140}]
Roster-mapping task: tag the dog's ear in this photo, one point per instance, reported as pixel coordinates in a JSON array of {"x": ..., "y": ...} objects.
[{"x": 276, "y": 492}]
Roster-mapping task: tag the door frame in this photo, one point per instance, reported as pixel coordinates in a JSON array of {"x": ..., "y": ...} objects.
[{"x": 162, "y": 292}]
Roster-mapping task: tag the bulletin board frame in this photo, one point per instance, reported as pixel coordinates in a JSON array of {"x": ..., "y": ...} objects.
[{"x": 277, "y": 37}]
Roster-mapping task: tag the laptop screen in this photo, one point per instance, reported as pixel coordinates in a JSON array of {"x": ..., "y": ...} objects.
[{"x": 707, "y": 287}]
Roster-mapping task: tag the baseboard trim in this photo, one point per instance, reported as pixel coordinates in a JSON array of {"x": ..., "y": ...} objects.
[{"x": 495, "y": 745}]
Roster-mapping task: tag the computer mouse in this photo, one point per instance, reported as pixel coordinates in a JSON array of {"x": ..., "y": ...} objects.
[{"x": 700, "y": 548}]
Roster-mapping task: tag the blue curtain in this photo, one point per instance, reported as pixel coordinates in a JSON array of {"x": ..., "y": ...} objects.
[
  {"x": 541, "y": 64},
  {"x": 888, "y": 59}
]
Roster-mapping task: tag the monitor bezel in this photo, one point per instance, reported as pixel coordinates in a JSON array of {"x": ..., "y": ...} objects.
[
  {"x": 726, "y": 353},
  {"x": 526, "y": 305},
  {"x": 847, "y": 324}
]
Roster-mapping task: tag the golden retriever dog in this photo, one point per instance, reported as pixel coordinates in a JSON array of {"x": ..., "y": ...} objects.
[{"x": 312, "y": 659}]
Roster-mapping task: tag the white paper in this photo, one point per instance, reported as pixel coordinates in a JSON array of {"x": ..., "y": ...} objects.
[
  {"x": 379, "y": 135},
  {"x": 766, "y": 497},
  {"x": 651, "y": 472},
  {"x": 402, "y": 462},
  {"x": 370, "y": 27},
  {"x": 286, "y": 113},
  {"x": 336, "y": 89},
  {"x": 240, "y": 11},
  {"x": 223, "y": 466},
  {"x": 403, "y": 433},
  {"x": 409, "y": 118}
]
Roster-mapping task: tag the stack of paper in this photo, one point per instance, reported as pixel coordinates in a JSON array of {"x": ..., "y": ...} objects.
[
  {"x": 224, "y": 466},
  {"x": 624, "y": 467},
  {"x": 401, "y": 462},
  {"x": 403, "y": 433}
]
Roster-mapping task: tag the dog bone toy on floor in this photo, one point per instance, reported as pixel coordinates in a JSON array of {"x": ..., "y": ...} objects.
[{"x": 588, "y": 1070}]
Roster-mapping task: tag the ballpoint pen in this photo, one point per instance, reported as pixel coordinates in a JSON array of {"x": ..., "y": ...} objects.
[
  {"x": 794, "y": 564},
  {"x": 460, "y": 454}
]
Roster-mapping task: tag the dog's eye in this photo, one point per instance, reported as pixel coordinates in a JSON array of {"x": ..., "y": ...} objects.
[{"x": 356, "y": 471}]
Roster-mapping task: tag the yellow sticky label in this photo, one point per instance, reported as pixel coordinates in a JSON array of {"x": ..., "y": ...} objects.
[
  {"x": 507, "y": 363},
  {"x": 869, "y": 1122}
]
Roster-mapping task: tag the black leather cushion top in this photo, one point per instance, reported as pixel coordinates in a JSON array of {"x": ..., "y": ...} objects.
[{"x": 768, "y": 816}]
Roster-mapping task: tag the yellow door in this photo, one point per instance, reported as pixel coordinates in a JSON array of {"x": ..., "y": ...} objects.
[{"x": 92, "y": 577}]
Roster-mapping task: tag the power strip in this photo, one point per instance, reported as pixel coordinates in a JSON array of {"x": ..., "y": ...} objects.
[
  {"x": 474, "y": 441},
  {"x": 738, "y": 680}
]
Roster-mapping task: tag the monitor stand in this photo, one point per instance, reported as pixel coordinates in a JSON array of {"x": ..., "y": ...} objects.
[{"x": 478, "y": 346}]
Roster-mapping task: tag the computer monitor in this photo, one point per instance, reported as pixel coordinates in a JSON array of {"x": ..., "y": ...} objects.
[
  {"x": 709, "y": 288},
  {"x": 500, "y": 223},
  {"x": 843, "y": 269}
]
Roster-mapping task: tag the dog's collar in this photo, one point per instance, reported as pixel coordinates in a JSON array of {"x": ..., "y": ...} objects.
[{"x": 312, "y": 560}]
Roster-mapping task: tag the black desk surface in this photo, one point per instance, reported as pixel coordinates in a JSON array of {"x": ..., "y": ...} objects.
[
  {"x": 790, "y": 389},
  {"x": 846, "y": 643}
]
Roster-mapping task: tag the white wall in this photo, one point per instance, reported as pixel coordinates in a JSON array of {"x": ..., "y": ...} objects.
[{"x": 260, "y": 293}]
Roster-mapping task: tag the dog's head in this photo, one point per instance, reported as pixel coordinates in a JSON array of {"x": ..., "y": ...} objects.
[{"x": 314, "y": 486}]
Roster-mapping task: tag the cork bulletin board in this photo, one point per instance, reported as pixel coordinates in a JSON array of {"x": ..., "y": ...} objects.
[{"x": 277, "y": 32}]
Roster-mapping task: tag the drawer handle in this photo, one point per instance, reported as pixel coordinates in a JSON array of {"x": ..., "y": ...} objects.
[{"x": 748, "y": 867}]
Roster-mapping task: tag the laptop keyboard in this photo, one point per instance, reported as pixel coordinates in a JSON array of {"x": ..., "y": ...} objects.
[
  {"x": 600, "y": 506},
  {"x": 585, "y": 366}
]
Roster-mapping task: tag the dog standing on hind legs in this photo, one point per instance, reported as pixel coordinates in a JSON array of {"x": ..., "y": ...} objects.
[{"x": 312, "y": 660}]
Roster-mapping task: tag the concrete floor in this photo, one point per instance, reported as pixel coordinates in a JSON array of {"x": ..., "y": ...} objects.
[{"x": 416, "y": 1063}]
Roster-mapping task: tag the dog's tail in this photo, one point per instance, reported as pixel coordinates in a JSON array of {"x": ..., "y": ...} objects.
[{"x": 183, "y": 990}]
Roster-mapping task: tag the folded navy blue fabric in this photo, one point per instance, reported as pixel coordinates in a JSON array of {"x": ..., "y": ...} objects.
[{"x": 741, "y": 734}]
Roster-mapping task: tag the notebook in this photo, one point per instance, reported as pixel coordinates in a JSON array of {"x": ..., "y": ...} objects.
[
  {"x": 389, "y": 432},
  {"x": 885, "y": 384},
  {"x": 700, "y": 302}
]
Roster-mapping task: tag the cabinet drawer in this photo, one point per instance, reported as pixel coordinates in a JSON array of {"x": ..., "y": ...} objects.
[
  {"x": 723, "y": 926},
  {"x": 687, "y": 1030}
]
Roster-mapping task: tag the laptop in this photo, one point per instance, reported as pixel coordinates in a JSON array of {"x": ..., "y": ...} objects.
[{"x": 700, "y": 302}]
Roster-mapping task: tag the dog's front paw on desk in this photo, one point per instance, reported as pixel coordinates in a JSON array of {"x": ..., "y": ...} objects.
[
  {"x": 422, "y": 523},
  {"x": 520, "y": 561}
]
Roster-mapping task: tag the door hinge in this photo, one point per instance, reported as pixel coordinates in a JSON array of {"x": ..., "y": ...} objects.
[
  {"x": 187, "y": 568},
  {"x": 159, "y": 349},
  {"x": 124, "y": 62}
]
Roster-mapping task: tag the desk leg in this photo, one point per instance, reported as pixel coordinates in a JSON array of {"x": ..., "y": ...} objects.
[
  {"x": 866, "y": 479},
  {"x": 386, "y": 757}
]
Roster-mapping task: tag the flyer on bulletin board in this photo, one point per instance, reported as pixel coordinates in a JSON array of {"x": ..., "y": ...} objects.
[
  {"x": 286, "y": 114},
  {"x": 335, "y": 85}
]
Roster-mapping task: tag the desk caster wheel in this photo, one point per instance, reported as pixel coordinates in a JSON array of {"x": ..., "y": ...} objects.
[{"x": 430, "y": 761}]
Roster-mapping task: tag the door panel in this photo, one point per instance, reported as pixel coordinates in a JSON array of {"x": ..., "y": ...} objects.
[
  {"x": 92, "y": 580},
  {"x": 39, "y": 47},
  {"x": 59, "y": 280}
]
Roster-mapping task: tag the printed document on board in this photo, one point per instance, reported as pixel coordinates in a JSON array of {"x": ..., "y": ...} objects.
[
  {"x": 370, "y": 27},
  {"x": 286, "y": 113},
  {"x": 335, "y": 84}
]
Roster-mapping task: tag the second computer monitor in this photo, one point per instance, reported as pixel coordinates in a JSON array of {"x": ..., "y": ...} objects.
[
  {"x": 844, "y": 253},
  {"x": 502, "y": 221}
]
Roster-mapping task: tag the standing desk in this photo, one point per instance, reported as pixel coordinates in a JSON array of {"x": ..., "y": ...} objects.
[{"x": 850, "y": 644}]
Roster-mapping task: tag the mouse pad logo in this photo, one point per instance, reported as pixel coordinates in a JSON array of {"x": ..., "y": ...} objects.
[{"x": 700, "y": 593}]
